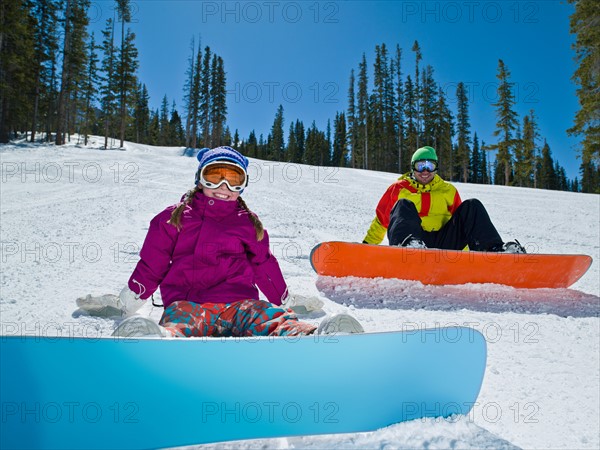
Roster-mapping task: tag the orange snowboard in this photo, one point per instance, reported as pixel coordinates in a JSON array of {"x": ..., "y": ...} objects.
[{"x": 433, "y": 266}]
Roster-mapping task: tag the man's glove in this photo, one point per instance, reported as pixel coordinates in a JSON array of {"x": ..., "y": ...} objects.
[{"x": 301, "y": 304}]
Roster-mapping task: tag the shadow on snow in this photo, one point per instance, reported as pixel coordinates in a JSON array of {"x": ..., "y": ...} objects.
[{"x": 382, "y": 293}]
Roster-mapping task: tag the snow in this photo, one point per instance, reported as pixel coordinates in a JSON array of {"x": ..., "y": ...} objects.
[{"x": 73, "y": 219}]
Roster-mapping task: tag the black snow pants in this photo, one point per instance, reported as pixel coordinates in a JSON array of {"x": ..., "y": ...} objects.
[{"x": 469, "y": 225}]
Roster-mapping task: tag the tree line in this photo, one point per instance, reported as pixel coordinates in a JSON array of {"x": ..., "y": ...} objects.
[
  {"x": 389, "y": 115},
  {"x": 58, "y": 80}
]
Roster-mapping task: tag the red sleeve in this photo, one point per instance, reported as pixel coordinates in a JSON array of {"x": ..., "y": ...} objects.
[
  {"x": 456, "y": 203},
  {"x": 388, "y": 200}
]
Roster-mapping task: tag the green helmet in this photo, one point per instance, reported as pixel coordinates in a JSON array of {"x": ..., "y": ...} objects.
[{"x": 424, "y": 153}]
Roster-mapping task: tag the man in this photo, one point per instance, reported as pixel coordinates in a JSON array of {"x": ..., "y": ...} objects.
[{"x": 421, "y": 210}]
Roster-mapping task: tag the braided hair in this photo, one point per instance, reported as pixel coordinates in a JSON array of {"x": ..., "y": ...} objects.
[
  {"x": 258, "y": 226},
  {"x": 175, "y": 219}
]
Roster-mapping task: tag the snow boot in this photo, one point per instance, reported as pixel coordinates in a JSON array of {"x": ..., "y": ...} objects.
[
  {"x": 340, "y": 323},
  {"x": 139, "y": 327},
  {"x": 513, "y": 247},
  {"x": 509, "y": 247},
  {"x": 412, "y": 242}
]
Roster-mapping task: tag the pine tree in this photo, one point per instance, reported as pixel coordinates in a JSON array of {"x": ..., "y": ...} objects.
[
  {"x": 475, "y": 175},
  {"x": 547, "y": 175},
  {"x": 389, "y": 118},
  {"x": 261, "y": 148},
  {"x": 276, "y": 147},
  {"x": 204, "y": 105},
  {"x": 108, "y": 87},
  {"x": 44, "y": 12},
  {"x": 127, "y": 79},
  {"x": 376, "y": 119},
  {"x": 584, "y": 23},
  {"x": 525, "y": 167},
  {"x": 443, "y": 135},
  {"x": 382, "y": 134},
  {"x": 177, "y": 136},
  {"x": 429, "y": 92},
  {"x": 410, "y": 113},
  {"x": 507, "y": 123},
  {"x": 141, "y": 115},
  {"x": 292, "y": 145},
  {"x": 218, "y": 102},
  {"x": 164, "y": 133},
  {"x": 188, "y": 91},
  {"x": 397, "y": 64},
  {"x": 417, "y": 93},
  {"x": 352, "y": 128},
  {"x": 575, "y": 186},
  {"x": 463, "y": 132},
  {"x": 252, "y": 146},
  {"x": 300, "y": 139},
  {"x": 520, "y": 176},
  {"x": 485, "y": 169},
  {"x": 195, "y": 99},
  {"x": 317, "y": 147},
  {"x": 124, "y": 15},
  {"x": 154, "y": 128},
  {"x": 89, "y": 89},
  {"x": 17, "y": 50},
  {"x": 362, "y": 110},
  {"x": 73, "y": 64},
  {"x": 339, "y": 155},
  {"x": 326, "y": 150}
]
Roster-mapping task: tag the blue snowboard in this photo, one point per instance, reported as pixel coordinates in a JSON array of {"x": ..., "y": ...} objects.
[{"x": 76, "y": 393}]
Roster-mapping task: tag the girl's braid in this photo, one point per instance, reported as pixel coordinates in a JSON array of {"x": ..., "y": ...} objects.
[
  {"x": 175, "y": 219},
  {"x": 258, "y": 226}
]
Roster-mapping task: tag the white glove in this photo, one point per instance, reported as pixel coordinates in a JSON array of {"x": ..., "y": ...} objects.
[
  {"x": 301, "y": 304},
  {"x": 129, "y": 301},
  {"x": 101, "y": 305},
  {"x": 110, "y": 305}
]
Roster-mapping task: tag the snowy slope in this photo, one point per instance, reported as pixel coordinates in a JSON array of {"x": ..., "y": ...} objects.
[{"x": 73, "y": 220}]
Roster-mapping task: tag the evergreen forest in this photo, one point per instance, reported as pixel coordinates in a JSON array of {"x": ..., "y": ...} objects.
[{"x": 60, "y": 82}]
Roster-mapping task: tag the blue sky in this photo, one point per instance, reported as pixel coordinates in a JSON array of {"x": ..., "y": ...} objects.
[{"x": 299, "y": 54}]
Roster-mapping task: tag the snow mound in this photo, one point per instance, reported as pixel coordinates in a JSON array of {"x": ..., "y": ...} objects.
[
  {"x": 380, "y": 293},
  {"x": 455, "y": 433}
]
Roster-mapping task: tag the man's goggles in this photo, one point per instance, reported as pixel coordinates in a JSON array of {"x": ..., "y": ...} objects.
[
  {"x": 215, "y": 174},
  {"x": 425, "y": 165}
]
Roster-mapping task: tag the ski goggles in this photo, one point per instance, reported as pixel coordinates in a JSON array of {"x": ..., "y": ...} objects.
[
  {"x": 425, "y": 165},
  {"x": 213, "y": 175}
]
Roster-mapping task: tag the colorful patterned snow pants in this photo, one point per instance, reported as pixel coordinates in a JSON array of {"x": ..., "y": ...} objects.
[{"x": 244, "y": 318}]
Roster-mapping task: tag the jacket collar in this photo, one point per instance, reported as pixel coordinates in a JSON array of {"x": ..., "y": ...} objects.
[
  {"x": 422, "y": 187},
  {"x": 213, "y": 207}
]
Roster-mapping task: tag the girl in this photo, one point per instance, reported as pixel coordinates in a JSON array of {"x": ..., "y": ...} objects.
[{"x": 208, "y": 254}]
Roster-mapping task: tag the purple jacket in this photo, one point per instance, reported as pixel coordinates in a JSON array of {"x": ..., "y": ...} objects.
[{"x": 214, "y": 258}]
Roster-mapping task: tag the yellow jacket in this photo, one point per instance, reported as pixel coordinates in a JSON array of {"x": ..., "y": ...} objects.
[{"x": 435, "y": 202}]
